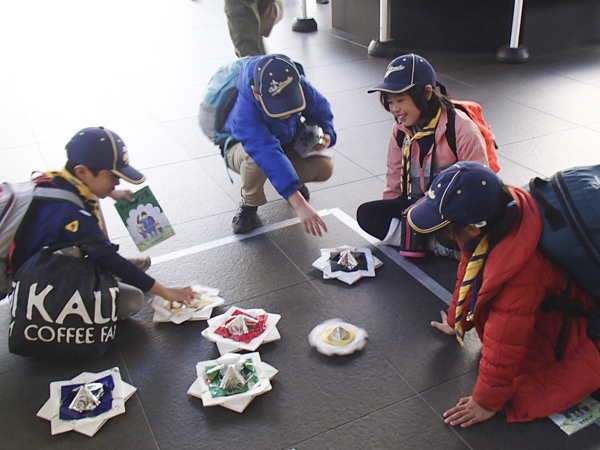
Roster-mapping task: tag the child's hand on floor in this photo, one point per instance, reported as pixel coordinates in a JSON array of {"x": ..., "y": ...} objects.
[
  {"x": 443, "y": 325},
  {"x": 467, "y": 412}
]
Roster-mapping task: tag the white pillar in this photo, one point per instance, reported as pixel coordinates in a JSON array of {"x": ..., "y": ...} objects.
[
  {"x": 384, "y": 24},
  {"x": 303, "y": 9},
  {"x": 516, "y": 25}
]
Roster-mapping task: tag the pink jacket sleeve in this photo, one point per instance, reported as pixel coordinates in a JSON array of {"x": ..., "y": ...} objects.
[{"x": 394, "y": 167}]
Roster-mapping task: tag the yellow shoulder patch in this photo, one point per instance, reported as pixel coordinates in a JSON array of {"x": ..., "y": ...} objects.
[{"x": 73, "y": 226}]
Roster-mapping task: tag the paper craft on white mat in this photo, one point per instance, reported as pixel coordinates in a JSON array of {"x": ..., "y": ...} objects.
[
  {"x": 227, "y": 345},
  {"x": 90, "y": 425},
  {"x": 323, "y": 264},
  {"x": 206, "y": 300},
  {"x": 326, "y": 338},
  {"x": 235, "y": 402}
]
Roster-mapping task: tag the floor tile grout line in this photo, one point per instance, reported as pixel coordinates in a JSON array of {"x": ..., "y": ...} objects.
[
  {"x": 428, "y": 282},
  {"x": 353, "y": 420},
  {"x": 139, "y": 398}
]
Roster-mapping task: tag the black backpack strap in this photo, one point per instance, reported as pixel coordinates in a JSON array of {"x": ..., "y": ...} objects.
[
  {"x": 442, "y": 88},
  {"x": 400, "y": 136},
  {"x": 569, "y": 308}
]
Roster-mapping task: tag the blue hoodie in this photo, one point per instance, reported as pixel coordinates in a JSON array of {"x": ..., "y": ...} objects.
[{"x": 262, "y": 136}]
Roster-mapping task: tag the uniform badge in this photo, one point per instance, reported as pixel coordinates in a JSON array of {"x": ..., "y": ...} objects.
[{"x": 73, "y": 226}]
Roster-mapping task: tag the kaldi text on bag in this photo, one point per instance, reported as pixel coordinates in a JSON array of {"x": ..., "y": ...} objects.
[{"x": 50, "y": 329}]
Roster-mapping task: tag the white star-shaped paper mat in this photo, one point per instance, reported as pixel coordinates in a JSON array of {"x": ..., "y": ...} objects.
[
  {"x": 89, "y": 425},
  {"x": 236, "y": 402},
  {"x": 315, "y": 338},
  {"x": 227, "y": 345},
  {"x": 203, "y": 294},
  {"x": 322, "y": 264}
]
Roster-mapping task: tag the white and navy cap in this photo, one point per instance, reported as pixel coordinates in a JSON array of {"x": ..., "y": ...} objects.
[
  {"x": 277, "y": 82},
  {"x": 101, "y": 149},
  {"x": 405, "y": 72},
  {"x": 465, "y": 193}
]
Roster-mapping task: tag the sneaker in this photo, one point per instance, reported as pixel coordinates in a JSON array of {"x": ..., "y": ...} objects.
[
  {"x": 305, "y": 192},
  {"x": 142, "y": 263},
  {"x": 244, "y": 220}
]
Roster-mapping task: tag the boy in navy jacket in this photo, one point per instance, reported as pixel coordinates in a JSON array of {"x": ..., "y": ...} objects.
[
  {"x": 273, "y": 96},
  {"x": 97, "y": 160}
]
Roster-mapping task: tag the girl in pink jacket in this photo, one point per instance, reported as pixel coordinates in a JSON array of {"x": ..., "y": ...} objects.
[{"x": 418, "y": 149}]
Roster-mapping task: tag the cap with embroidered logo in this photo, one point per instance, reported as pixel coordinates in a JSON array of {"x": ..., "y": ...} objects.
[
  {"x": 277, "y": 82},
  {"x": 466, "y": 193},
  {"x": 101, "y": 149},
  {"x": 405, "y": 72}
]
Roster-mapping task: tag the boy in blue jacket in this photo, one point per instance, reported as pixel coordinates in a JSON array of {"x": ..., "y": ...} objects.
[
  {"x": 273, "y": 96},
  {"x": 97, "y": 160}
]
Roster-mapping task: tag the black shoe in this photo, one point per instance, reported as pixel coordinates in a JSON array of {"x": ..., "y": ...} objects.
[
  {"x": 244, "y": 220},
  {"x": 322, "y": 2},
  {"x": 305, "y": 192}
]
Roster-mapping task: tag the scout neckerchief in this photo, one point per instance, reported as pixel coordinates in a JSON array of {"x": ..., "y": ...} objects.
[
  {"x": 428, "y": 130},
  {"x": 89, "y": 199},
  {"x": 469, "y": 283}
]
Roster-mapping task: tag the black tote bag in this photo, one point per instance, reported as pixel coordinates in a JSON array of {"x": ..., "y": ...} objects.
[{"x": 63, "y": 304}]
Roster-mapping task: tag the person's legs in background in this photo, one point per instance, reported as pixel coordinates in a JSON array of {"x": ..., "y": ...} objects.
[{"x": 243, "y": 19}]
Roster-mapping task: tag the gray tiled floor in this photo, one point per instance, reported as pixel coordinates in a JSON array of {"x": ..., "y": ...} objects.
[{"x": 139, "y": 68}]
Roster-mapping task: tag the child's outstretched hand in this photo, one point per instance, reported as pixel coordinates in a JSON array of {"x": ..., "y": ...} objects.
[
  {"x": 309, "y": 217},
  {"x": 466, "y": 413},
  {"x": 180, "y": 294},
  {"x": 311, "y": 220},
  {"x": 443, "y": 325},
  {"x": 175, "y": 294}
]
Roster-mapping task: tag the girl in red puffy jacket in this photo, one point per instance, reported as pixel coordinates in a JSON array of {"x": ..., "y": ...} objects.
[{"x": 526, "y": 368}]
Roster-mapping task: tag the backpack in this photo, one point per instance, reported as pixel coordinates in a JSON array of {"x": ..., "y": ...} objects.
[
  {"x": 570, "y": 204},
  {"x": 218, "y": 100},
  {"x": 475, "y": 113},
  {"x": 15, "y": 199}
]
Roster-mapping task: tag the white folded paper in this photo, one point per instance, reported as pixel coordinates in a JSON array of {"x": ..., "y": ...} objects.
[
  {"x": 315, "y": 338},
  {"x": 322, "y": 264},
  {"x": 227, "y": 345},
  {"x": 89, "y": 425},
  {"x": 235, "y": 402},
  {"x": 205, "y": 294}
]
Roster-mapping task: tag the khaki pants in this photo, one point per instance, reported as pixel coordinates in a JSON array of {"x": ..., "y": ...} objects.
[
  {"x": 131, "y": 300},
  {"x": 245, "y": 20},
  {"x": 313, "y": 168}
]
